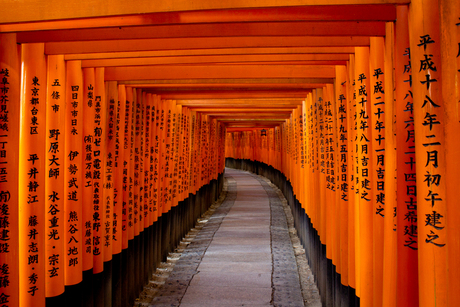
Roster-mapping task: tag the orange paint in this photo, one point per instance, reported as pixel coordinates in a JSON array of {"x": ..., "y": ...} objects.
[
  {"x": 377, "y": 99},
  {"x": 365, "y": 191},
  {"x": 148, "y": 160},
  {"x": 56, "y": 140},
  {"x": 10, "y": 76},
  {"x": 117, "y": 225},
  {"x": 155, "y": 154},
  {"x": 32, "y": 194},
  {"x": 110, "y": 170},
  {"x": 407, "y": 213},
  {"x": 99, "y": 150},
  {"x": 89, "y": 105},
  {"x": 343, "y": 162},
  {"x": 126, "y": 160},
  {"x": 450, "y": 62},
  {"x": 353, "y": 239},
  {"x": 137, "y": 166},
  {"x": 73, "y": 175},
  {"x": 431, "y": 162},
  {"x": 129, "y": 154},
  {"x": 145, "y": 162},
  {"x": 389, "y": 247}
]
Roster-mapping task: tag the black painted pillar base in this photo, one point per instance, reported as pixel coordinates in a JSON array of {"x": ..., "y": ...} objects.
[
  {"x": 124, "y": 278},
  {"x": 117, "y": 282}
]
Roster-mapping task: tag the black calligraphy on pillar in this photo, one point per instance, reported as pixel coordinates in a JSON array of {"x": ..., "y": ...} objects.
[
  {"x": 147, "y": 139},
  {"x": 5, "y": 194},
  {"x": 329, "y": 146},
  {"x": 97, "y": 169},
  {"x": 343, "y": 147},
  {"x": 435, "y": 221},
  {"x": 363, "y": 140},
  {"x": 88, "y": 142},
  {"x": 379, "y": 128},
  {"x": 410, "y": 215},
  {"x": 320, "y": 140},
  {"x": 137, "y": 163},
  {"x": 33, "y": 187},
  {"x": 108, "y": 172}
]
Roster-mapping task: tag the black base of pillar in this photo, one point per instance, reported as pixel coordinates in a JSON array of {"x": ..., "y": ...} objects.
[{"x": 98, "y": 289}]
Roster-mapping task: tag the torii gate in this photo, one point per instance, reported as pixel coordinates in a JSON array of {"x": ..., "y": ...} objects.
[{"x": 117, "y": 117}]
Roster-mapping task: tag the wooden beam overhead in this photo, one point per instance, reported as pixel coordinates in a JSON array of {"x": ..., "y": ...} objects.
[
  {"x": 374, "y": 12},
  {"x": 217, "y": 72},
  {"x": 271, "y": 103},
  {"x": 14, "y": 11},
  {"x": 215, "y": 86},
  {"x": 203, "y": 43},
  {"x": 235, "y": 94},
  {"x": 264, "y": 116},
  {"x": 214, "y": 111},
  {"x": 311, "y": 59},
  {"x": 294, "y": 28},
  {"x": 155, "y": 83},
  {"x": 212, "y": 52}
]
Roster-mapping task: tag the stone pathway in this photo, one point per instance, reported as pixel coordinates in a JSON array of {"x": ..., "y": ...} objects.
[{"x": 242, "y": 256}]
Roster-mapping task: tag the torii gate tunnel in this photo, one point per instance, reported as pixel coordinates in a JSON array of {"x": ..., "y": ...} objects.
[{"x": 117, "y": 119}]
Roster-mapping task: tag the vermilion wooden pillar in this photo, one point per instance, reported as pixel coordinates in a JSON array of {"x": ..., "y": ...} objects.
[
  {"x": 110, "y": 156},
  {"x": 139, "y": 167},
  {"x": 119, "y": 228},
  {"x": 175, "y": 153},
  {"x": 73, "y": 175},
  {"x": 352, "y": 197},
  {"x": 156, "y": 159},
  {"x": 168, "y": 168},
  {"x": 389, "y": 248},
  {"x": 376, "y": 93},
  {"x": 161, "y": 146},
  {"x": 450, "y": 77},
  {"x": 128, "y": 196},
  {"x": 147, "y": 160},
  {"x": 343, "y": 163},
  {"x": 329, "y": 152},
  {"x": 120, "y": 267},
  {"x": 186, "y": 145},
  {"x": 32, "y": 161},
  {"x": 407, "y": 213},
  {"x": 365, "y": 174},
  {"x": 10, "y": 75},
  {"x": 431, "y": 161},
  {"x": 322, "y": 230},
  {"x": 99, "y": 150},
  {"x": 196, "y": 125},
  {"x": 136, "y": 155},
  {"x": 54, "y": 179},
  {"x": 89, "y": 105},
  {"x": 315, "y": 200}
]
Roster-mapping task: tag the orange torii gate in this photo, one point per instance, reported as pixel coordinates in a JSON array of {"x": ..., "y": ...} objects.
[{"x": 116, "y": 121}]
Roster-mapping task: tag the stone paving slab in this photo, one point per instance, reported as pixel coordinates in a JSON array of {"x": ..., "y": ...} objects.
[
  {"x": 243, "y": 256},
  {"x": 240, "y": 248},
  {"x": 237, "y": 257},
  {"x": 227, "y": 295},
  {"x": 242, "y": 279},
  {"x": 225, "y": 266}
]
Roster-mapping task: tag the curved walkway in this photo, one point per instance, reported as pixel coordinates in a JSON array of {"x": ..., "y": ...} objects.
[{"x": 243, "y": 256}]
